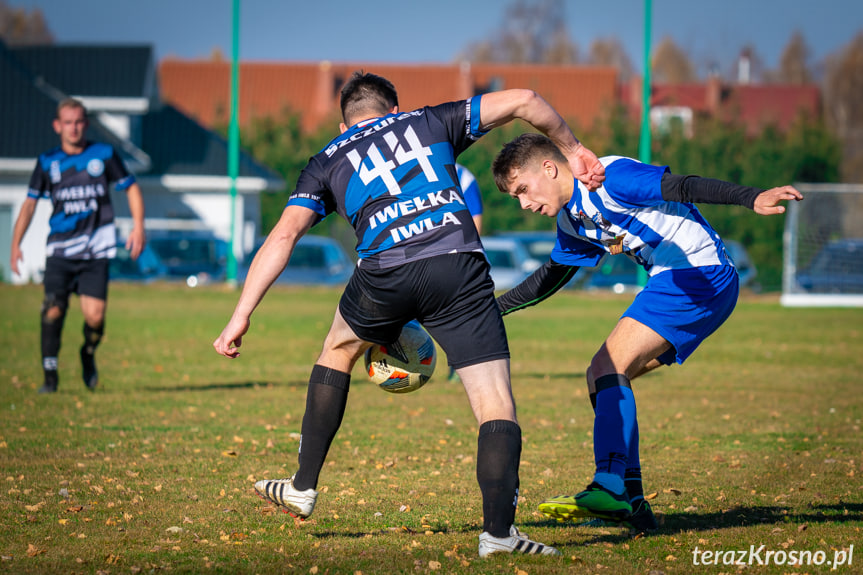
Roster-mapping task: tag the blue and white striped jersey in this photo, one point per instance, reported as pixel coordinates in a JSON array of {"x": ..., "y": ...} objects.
[
  {"x": 470, "y": 189},
  {"x": 394, "y": 180},
  {"x": 82, "y": 223},
  {"x": 627, "y": 215}
]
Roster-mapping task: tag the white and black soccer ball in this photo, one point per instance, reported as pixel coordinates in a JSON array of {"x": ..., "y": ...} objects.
[{"x": 405, "y": 365}]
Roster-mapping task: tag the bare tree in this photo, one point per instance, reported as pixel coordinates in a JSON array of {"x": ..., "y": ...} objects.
[
  {"x": 671, "y": 65},
  {"x": 844, "y": 107},
  {"x": 793, "y": 67},
  {"x": 21, "y": 28},
  {"x": 533, "y": 31},
  {"x": 610, "y": 52}
]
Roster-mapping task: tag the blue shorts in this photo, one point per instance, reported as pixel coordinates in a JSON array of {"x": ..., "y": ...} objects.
[{"x": 686, "y": 306}]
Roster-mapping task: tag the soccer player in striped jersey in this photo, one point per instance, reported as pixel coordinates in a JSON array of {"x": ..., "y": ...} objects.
[
  {"x": 77, "y": 177},
  {"x": 646, "y": 213},
  {"x": 392, "y": 176}
]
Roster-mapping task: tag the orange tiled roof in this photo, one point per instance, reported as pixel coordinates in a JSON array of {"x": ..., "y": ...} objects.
[
  {"x": 580, "y": 94},
  {"x": 759, "y": 105},
  {"x": 752, "y": 105},
  {"x": 201, "y": 88}
]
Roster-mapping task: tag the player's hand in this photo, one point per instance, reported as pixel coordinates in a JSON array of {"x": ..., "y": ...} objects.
[
  {"x": 587, "y": 168},
  {"x": 15, "y": 257},
  {"x": 768, "y": 202},
  {"x": 135, "y": 242},
  {"x": 229, "y": 341}
]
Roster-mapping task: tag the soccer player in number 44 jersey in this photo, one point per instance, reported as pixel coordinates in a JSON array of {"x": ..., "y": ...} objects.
[
  {"x": 392, "y": 176},
  {"x": 646, "y": 213}
]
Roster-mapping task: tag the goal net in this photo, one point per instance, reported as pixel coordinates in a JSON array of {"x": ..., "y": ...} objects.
[{"x": 823, "y": 247}]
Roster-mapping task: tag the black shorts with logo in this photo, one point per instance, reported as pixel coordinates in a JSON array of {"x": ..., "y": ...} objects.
[
  {"x": 83, "y": 277},
  {"x": 451, "y": 295}
]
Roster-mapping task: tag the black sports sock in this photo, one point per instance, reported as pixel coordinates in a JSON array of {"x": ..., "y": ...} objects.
[
  {"x": 632, "y": 481},
  {"x": 325, "y": 407},
  {"x": 52, "y": 329},
  {"x": 92, "y": 337},
  {"x": 498, "y": 455}
]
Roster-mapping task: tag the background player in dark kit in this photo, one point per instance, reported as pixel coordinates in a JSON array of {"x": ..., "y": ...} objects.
[{"x": 76, "y": 176}]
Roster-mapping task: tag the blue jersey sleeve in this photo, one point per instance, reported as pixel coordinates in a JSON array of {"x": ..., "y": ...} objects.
[
  {"x": 633, "y": 184},
  {"x": 312, "y": 193},
  {"x": 571, "y": 250}
]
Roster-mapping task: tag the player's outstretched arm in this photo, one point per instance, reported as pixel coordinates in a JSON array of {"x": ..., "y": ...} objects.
[
  {"x": 537, "y": 287},
  {"x": 269, "y": 262},
  {"x": 768, "y": 202},
  {"x": 25, "y": 216},
  {"x": 137, "y": 238},
  {"x": 499, "y": 108}
]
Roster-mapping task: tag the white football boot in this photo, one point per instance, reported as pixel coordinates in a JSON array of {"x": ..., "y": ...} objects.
[
  {"x": 282, "y": 493},
  {"x": 515, "y": 543}
]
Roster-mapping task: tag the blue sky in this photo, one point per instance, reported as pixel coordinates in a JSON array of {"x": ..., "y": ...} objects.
[{"x": 408, "y": 31}]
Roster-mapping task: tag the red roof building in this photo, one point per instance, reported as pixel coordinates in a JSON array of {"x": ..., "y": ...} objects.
[{"x": 202, "y": 88}]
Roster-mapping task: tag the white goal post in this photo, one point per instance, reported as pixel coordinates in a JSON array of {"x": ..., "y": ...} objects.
[{"x": 823, "y": 247}]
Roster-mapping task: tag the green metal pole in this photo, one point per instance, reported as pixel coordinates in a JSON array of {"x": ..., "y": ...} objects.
[
  {"x": 234, "y": 139},
  {"x": 644, "y": 143}
]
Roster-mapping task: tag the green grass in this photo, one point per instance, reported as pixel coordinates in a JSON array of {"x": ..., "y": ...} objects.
[{"x": 755, "y": 441}]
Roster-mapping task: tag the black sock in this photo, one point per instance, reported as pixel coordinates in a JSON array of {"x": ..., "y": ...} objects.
[
  {"x": 325, "y": 406},
  {"x": 92, "y": 337},
  {"x": 497, "y": 459},
  {"x": 632, "y": 481},
  {"x": 52, "y": 329}
]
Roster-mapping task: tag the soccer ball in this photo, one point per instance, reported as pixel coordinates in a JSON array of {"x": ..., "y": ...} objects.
[{"x": 405, "y": 365}]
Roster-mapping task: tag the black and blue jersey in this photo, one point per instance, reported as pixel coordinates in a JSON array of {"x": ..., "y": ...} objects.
[
  {"x": 82, "y": 223},
  {"x": 394, "y": 179}
]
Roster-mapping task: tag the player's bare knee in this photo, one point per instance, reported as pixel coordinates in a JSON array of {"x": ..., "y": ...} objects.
[{"x": 53, "y": 308}]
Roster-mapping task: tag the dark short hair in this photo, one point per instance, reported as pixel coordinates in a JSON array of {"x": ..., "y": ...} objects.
[
  {"x": 70, "y": 103},
  {"x": 519, "y": 152},
  {"x": 367, "y": 93}
]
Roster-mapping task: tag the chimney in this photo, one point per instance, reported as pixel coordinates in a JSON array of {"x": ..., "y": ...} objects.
[
  {"x": 465, "y": 87},
  {"x": 713, "y": 94},
  {"x": 323, "y": 96},
  {"x": 744, "y": 65}
]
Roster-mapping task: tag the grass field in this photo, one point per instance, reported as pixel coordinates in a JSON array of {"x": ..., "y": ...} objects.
[{"x": 756, "y": 441}]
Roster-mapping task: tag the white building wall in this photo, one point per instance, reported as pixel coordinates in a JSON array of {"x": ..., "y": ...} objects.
[{"x": 33, "y": 245}]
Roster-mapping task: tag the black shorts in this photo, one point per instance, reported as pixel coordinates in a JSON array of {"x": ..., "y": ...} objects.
[
  {"x": 451, "y": 295},
  {"x": 83, "y": 277}
]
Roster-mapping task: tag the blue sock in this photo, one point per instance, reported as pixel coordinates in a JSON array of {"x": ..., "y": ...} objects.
[
  {"x": 632, "y": 477},
  {"x": 612, "y": 426}
]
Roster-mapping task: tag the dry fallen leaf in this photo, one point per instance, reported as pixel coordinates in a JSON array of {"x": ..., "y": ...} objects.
[{"x": 33, "y": 551}]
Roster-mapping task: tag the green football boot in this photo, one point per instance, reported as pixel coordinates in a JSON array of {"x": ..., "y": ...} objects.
[{"x": 595, "y": 501}]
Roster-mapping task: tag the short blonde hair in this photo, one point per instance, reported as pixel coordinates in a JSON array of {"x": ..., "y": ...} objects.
[{"x": 70, "y": 103}]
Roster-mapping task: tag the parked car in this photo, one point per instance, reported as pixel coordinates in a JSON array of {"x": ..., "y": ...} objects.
[
  {"x": 746, "y": 270},
  {"x": 510, "y": 262},
  {"x": 836, "y": 268},
  {"x": 195, "y": 257},
  {"x": 537, "y": 243},
  {"x": 147, "y": 268},
  {"x": 316, "y": 260},
  {"x": 620, "y": 274}
]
